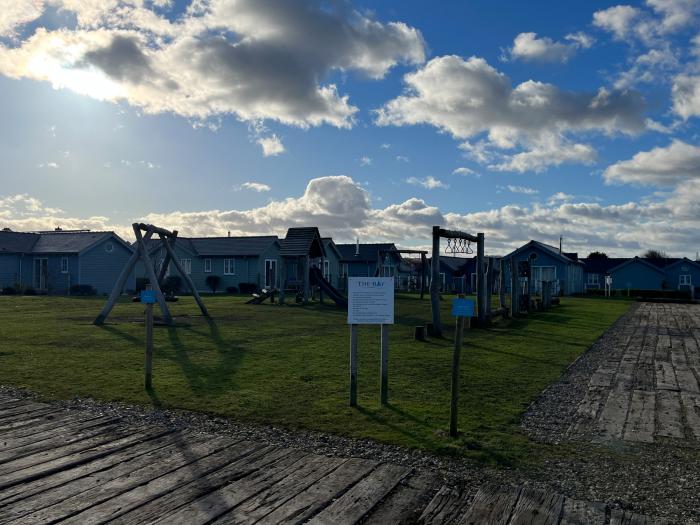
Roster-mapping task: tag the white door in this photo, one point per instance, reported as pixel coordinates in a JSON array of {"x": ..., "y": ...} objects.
[
  {"x": 542, "y": 273},
  {"x": 270, "y": 272},
  {"x": 41, "y": 273}
]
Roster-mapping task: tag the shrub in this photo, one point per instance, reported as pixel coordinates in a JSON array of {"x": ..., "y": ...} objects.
[
  {"x": 9, "y": 290},
  {"x": 141, "y": 283},
  {"x": 29, "y": 291},
  {"x": 172, "y": 285},
  {"x": 82, "y": 289},
  {"x": 232, "y": 289},
  {"x": 213, "y": 282},
  {"x": 247, "y": 288}
]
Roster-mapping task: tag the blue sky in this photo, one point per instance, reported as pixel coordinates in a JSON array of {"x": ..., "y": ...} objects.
[{"x": 520, "y": 119}]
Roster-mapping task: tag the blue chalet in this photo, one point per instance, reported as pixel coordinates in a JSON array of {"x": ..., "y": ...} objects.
[
  {"x": 638, "y": 274},
  {"x": 457, "y": 274},
  {"x": 683, "y": 274},
  {"x": 52, "y": 262},
  {"x": 363, "y": 260},
  {"x": 331, "y": 262},
  {"x": 234, "y": 260},
  {"x": 549, "y": 264}
]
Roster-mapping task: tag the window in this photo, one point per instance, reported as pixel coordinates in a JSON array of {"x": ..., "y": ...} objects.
[
  {"x": 229, "y": 266},
  {"x": 344, "y": 269},
  {"x": 186, "y": 265},
  {"x": 326, "y": 269},
  {"x": 593, "y": 279},
  {"x": 684, "y": 280},
  {"x": 109, "y": 247},
  {"x": 207, "y": 265},
  {"x": 64, "y": 264}
]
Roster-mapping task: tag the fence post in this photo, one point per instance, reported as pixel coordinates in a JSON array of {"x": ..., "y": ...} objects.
[
  {"x": 384, "y": 366},
  {"x": 456, "y": 356},
  {"x": 353, "y": 365}
]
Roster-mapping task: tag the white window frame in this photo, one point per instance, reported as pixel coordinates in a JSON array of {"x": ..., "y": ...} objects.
[
  {"x": 590, "y": 282},
  {"x": 326, "y": 269},
  {"x": 684, "y": 282},
  {"x": 186, "y": 265},
  {"x": 272, "y": 264},
  {"x": 207, "y": 265},
  {"x": 229, "y": 266},
  {"x": 64, "y": 264}
]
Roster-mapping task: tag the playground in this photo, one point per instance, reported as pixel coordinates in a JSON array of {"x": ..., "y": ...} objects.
[{"x": 288, "y": 366}]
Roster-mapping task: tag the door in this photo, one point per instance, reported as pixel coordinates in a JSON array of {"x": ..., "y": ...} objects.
[
  {"x": 270, "y": 272},
  {"x": 41, "y": 273},
  {"x": 542, "y": 273}
]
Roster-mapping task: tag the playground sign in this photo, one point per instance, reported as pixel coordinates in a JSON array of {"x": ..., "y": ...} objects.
[
  {"x": 371, "y": 300},
  {"x": 148, "y": 296},
  {"x": 462, "y": 307}
]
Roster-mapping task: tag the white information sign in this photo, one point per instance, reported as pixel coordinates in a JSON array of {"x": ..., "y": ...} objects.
[{"x": 370, "y": 300}]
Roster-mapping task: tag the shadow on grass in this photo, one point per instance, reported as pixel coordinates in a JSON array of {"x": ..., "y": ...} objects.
[{"x": 120, "y": 333}]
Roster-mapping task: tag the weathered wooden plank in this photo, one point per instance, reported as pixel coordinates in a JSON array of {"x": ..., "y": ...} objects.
[
  {"x": 406, "y": 503},
  {"x": 627, "y": 517},
  {"x": 492, "y": 505},
  {"x": 614, "y": 414},
  {"x": 363, "y": 497},
  {"x": 22, "y": 410},
  {"x": 162, "y": 506},
  {"x": 111, "y": 443},
  {"x": 273, "y": 497},
  {"x": 218, "y": 502},
  {"x": 13, "y": 495},
  {"x": 665, "y": 376},
  {"x": 691, "y": 404},
  {"x": 316, "y": 496},
  {"x": 537, "y": 507},
  {"x": 686, "y": 380},
  {"x": 155, "y": 480},
  {"x": 602, "y": 378},
  {"x": 578, "y": 512},
  {"x": 640, "y": 419},
  {"x": 644, "y": 376},
  {"x": 37, "y": 423},
  {"x": 77, "y": 493},
  {"x": 9, "y": 421},
  {"x": 668, "y": 414},
  {"x": 446, "y": 507}
]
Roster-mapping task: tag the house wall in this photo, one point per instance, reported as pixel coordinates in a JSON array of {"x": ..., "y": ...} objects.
[
  {"x": 101, "y": 269},
  {"x": 334, "y": 265},
  {"x": 674, "y": 272},
  {"x": 9, "y": 269},
  {"x": 569, "y": 275},
  {"x": 637, "y": 275}
]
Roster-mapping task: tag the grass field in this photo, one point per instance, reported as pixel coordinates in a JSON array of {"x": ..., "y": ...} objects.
[{"x": 288, "y": 366}]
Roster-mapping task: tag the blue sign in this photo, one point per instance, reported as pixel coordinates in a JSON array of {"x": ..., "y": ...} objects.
[
  {"x": 462, "y": 307},
  {"x": 148, "y": 296}
]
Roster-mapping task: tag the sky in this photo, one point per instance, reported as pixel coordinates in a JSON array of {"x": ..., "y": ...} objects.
[{"x": 377, "y": 120}]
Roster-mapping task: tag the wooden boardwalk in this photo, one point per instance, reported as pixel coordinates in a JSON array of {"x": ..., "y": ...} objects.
[
  {"x": 80, "y": 468},
  {"x": 648, "y": 387}
]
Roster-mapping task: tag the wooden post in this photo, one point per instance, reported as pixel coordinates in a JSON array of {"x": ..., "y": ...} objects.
[
  {"x": 514, "y": 288},
  {"x": 423, "y": 264},
  {"x": 185, "y": 277},
  {"x": 480, "y": 284},
  {"x": 456, "y": 356},
  {"x": 306, "y": 279},
  {"x": 166, "y": 260},
  {"x": 119, "y": 285},
  {"x": 283, "y": 279},
  {"x": 353, "y": 365},
  {"x": 384, "y": 366},
  {"x": 149, "y": 346},
  {"x": 501, "y": 284},
  {"x": 435, "y": 283},
  {"x": 150, "y": 272}
]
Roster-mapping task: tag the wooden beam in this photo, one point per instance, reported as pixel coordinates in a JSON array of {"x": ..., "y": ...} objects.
[
  {"x": 384, "y": 365},
  {"x": 423, "y": 264},
  {"x": 455, "y": 234},
  {"x": 353, "y": 365},
  {"x": 119, "y": 285},
  {"x": 456, "y": 357},
  {"x": 435, "y": 283},
  {"x": 166, "y": 261},
  {"x": 150, "y": 272},
  {"x": 186, "y": 277},
  {"x": 160, "y": 231}
]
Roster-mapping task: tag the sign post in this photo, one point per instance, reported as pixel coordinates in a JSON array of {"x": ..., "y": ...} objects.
[
  {"x": 461, "y": 309},
  {"x": 148, "y": 297},
  {"x": 370, "y": 301}
]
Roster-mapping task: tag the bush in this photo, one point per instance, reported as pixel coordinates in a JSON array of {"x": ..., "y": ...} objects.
[
  {"x": 141, "y": 283},
  {"x": 213, "y": 282},
  {"x": 172, "y": 285},
  {"x": 232, "y": 289},
  {"x": 82, "y": 289},
  {"x": 9, "y": 290},
  {"x": 247, "y": 288},
  {"x": 29, "y": 291}
]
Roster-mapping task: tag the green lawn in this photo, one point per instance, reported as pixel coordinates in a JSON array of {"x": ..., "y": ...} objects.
[{"x": 289, "y": 366}]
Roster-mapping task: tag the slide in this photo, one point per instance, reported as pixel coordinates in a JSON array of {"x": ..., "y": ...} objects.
[
  {"x": 259, "y": 298},
  {"x": 318, "y": 279}
]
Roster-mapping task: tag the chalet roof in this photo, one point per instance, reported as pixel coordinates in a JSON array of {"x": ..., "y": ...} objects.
[
  {"x": 601, "y": 264},
  {"x": 550, "y": 250},
  {"x": 367, "y": 252},
  {"x": 17, "y": 242},
  {"x": 637, "y": 260},
  {"x": 302, "y": 241},
  {"x": 684, "y": 260},
  {"x": 70, "y": 242},
  {"x": 235, "y": 246}
]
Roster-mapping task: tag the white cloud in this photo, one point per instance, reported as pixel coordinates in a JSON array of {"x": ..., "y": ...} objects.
[
  {"x": 525, "y": 190},
  {"x": 256, "y": 186},
  {"x": 686, "y": 96},
  {"x": 254, "y": 59},
  {"x": 51, "y": 165},
  {"x": 468, "y": 98},
  {"x": 465, "y": 172},
  {"x": 385, "y": 146},
  {"x": 675, "y": 14},
  {"x": 560, "y": 196},
  {"x": 664, "y": 166},
  {"x": 531, "y": 48},
  {"x": 18, "y": 12},
  {"x": 402, "y": 158},
  {"x": 618, "y": 20},
  {"x": 429, "y": 182},
  {"x": 365, "y": 161},
  {"x": 271, "y": 146}
]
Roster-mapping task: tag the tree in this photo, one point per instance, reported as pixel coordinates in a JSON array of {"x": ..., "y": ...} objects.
[
  {"x": 213, "y": 282},
  {"x": 654, "y": 254},
  {"x": 597, "y": 255}
]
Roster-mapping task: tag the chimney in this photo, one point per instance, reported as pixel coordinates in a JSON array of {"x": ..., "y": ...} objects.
[
  {"x": 57, "y": 229},
  {"x": 561, "y": 239},
  {"x": 229, "y": 233},
  {"x": 357, "y": 247}
]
